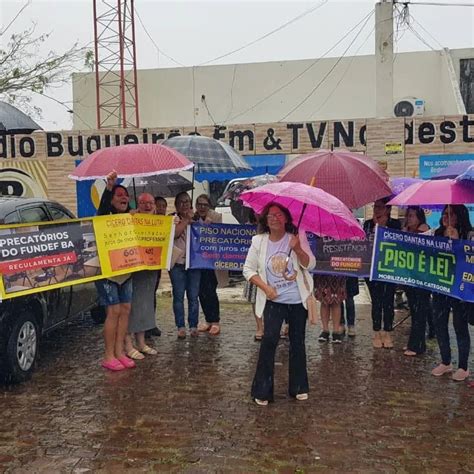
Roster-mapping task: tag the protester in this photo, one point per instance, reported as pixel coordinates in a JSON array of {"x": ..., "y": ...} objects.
[
  {"x": 161, "y": 205},
  {"x": 381, "y": 293},
  {"x": 182, "y": 280},
  {"x": 143, "y": 314},
  {"x": 115, "y": 293},
  {"x": 419, "y": 300},
  {"x": 281, "y": 292},
  {"x": 330, "y": 290},
  {"x": 208, "y": 285},
  {"x": 454, "y": 224}
]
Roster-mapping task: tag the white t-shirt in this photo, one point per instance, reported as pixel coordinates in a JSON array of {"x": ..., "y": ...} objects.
[{"x": 277, "y": 253}]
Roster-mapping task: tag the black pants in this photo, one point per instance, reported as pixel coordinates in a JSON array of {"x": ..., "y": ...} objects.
[
  {"x": 156, "y": 288},
  {"x": 382, "y": 295},
  {"x": 273, "y": 317},
  {"x": 442, "y": 306},
  {"x": 208, "y": 296},
  {"x": 419, "y": 302}
]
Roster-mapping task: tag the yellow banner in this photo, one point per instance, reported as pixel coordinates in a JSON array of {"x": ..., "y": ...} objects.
[{"x": 44, "y": 256}]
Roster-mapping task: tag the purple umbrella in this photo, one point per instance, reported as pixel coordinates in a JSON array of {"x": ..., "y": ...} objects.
[
  {"x": 467, "y": 176},
  {"x": 400, "y": 184},
  {"x": 454, "y": 170}
]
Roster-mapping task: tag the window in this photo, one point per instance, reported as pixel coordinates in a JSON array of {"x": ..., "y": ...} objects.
[
  {"x": 33, "y": 214},
  {"x": 12, "y": 218},
  {"x": 58, "y": 213}
]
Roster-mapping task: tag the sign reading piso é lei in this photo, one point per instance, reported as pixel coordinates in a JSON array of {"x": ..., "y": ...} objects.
[{"x": 433, "y": 263}]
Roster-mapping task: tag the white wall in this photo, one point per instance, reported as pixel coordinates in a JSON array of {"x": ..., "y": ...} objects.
[{"x": 166, "y": 95}]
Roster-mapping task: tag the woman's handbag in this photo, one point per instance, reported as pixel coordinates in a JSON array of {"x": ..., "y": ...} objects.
[{"x": 311, "y": 303}]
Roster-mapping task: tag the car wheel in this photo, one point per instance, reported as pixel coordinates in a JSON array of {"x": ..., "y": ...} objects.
[
  {"x": 21, "y": 348},
  {"x": 98, "y": 314}
]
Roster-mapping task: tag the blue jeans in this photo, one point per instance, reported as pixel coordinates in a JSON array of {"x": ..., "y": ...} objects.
[
  {"x": 111, "y": 293},
  {"x": 185, "y": 281}
]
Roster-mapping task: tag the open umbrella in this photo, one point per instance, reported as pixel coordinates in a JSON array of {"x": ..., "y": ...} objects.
[
  {"x": 208, "y": 155},
  {"x": 454, "y": 170},
  {"x": 312, "y": 208},
  {"x": 353, "y": 178},
  {"x": 467, "y": 176},
  {"x": 164, "y": 185},
  {"x": 250, "y": 183},
  {"x": 437, "y": 192},
  {"x": 131, "y": 161},
  {"x": 399, "y": 185}
]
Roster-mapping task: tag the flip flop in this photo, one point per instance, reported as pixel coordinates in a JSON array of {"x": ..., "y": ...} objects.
[
  {"x": 134, "y": 354},
  {"x": 204, "y": 327},
  {"x": 148, "y": 350},
  {"x": 127, "y": 362},
  {"x": 215, "y": 330},
  {"x": 114, "y": 365}
]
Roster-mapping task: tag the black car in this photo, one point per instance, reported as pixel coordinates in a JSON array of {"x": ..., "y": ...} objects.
[{"x": 24, "y": 319}]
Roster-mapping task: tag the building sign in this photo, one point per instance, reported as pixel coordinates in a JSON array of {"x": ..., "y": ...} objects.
[{"x": 294, "y": 137}]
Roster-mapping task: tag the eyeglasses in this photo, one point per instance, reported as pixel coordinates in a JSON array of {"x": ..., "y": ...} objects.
[
  {"x": 202, "y": 204},
  {"x": 181, "y": 203},
  {"x": 278, "y": 216}
]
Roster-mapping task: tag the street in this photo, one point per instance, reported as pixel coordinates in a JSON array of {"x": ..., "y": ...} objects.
[{"x": 188, "y": 409}]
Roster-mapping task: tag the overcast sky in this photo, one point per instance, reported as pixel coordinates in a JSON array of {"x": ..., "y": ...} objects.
[{"x": 194, "y": 32}]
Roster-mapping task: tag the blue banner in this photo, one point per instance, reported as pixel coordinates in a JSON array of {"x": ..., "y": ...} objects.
[
  {"x": 218, "y": 246},
  {"x": 432, "y": 263}
]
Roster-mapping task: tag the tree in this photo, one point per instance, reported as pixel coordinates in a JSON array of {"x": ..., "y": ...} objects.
[{"x": 24, "y": 72}]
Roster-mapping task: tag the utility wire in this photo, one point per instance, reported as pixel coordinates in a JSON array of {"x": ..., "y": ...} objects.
[
  {"x": 344, "y": 73},
  {"x": 160, "y": 51},
  {"x": 426, "y": 31},
  {"x": 297, "y": 106},
  {"x": 27, "y": 4},
  {"x": 266, "y": 35},
  {"x": 231, "y": 94},
  {"x": 293, "y": 79}
]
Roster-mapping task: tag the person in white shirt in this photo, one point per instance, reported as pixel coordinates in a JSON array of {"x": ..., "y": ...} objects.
[{"x": 277, "y": 263}]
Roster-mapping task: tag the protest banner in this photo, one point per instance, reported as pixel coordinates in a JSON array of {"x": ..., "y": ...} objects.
[
  {"x": 432, "y": 263},
  {"x": 43, "y": 256},
  {"x": 218, "y": 246},
  {"x": 342, "y": 257}
]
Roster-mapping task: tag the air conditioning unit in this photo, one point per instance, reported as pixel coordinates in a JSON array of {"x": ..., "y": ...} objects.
[{"x": 409, "y": 107}]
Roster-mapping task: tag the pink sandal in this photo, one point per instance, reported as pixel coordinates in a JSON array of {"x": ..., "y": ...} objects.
[
  {"x": 127, "y": 362},
  {"x": 114, "y": 365}
]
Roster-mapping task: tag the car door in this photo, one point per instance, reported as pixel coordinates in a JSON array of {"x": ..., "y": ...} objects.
[{"x": 58, "y": 300}]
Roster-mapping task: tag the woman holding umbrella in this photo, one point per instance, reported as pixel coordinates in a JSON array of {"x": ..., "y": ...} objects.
[
  {"x": 115, "y": 293},
  {"x": 281, "y": 293},
  {"x": 454, "y": 224}
]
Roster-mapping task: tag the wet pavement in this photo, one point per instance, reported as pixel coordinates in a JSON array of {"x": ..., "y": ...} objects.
[{"x": 188, "y": 409}]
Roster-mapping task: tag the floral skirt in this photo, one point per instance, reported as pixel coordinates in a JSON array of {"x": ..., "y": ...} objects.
[{"x": 330, "y": 289}]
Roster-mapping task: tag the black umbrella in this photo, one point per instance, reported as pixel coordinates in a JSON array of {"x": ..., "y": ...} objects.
[{"x": 13, "y": 120}]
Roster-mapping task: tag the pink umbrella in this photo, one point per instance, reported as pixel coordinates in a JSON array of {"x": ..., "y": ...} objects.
[
  {"x": 311, "y": 208},
  {"x": 131, "y": 161},
  {"x": 353, "y": 178},
  {"x": 437, "y": 192}
]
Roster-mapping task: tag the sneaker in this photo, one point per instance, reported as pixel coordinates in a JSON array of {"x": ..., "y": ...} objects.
[
  {"x": 460, "y": 375},
  {"x": 302, "y": 396},
  {"x": 181, "y": 333},
  {"x": 441, "y": 369},
  {"x": 337, "y": 338},
  {"x": 262, "y": 403},
  {"x": 351, "y": 332},
  {"x": 324, "y": 337}
]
